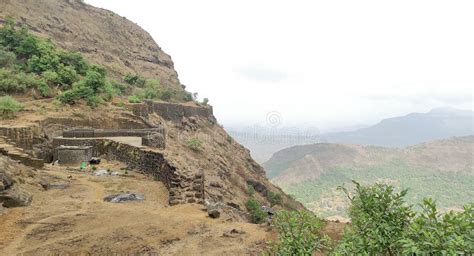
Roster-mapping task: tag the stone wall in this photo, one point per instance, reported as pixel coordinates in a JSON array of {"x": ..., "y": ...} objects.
[
  {"x": 68, "y": 155},
  {"x": 22, "y": 136},
  {"x": 175, "y": 112},
  {"x": 94, "y": 133},
  {"x": 183, "y": 186}
]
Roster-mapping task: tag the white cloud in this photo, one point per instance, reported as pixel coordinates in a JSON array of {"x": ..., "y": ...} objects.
[{"x": 324, "y": 63}]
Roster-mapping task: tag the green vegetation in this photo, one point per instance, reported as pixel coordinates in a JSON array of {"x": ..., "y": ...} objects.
[
  {"x": 274, "y": 198},
  {"x": 205, "y": 101},
  {"x": 256, "y": 212},
  {"x": 299, "y": 233},
  {"x": 133, "y": 99},
  {"x": 31, "y": 64},
  {"x": 449, "y": 190},
  {"x": 250, "y": 190},
  {"x": 383, "y": 224},
  {"x": 9, "y": 106},
  {"x": 195, "y": 144}
]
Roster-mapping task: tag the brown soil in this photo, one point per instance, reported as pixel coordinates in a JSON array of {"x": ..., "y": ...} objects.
[{"x": 76, "y": 220}]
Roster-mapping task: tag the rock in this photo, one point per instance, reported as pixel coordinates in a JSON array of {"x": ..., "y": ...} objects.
[
  {"x": 124, "y": 197},
  {"x": 101, "y": 172},
  {"x": 154, "y": 140},
  {"x": 5, "y": 181},
  {"x": 270, "y": 211},
  {"x": 95, "y": 160},
  {"x": 15, "y": 197},
  {"x": 47, "y": 186},
  {"x": 214, "y": 213},
  {"x": 233, "y": 233}
]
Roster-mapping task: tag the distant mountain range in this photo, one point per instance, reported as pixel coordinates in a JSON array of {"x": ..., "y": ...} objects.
[
  {"x": 411, "y": 129},
  {"x": 414, "y": 128}
]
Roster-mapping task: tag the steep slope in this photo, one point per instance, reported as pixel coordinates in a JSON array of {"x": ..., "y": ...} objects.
[
  {"x": 442, "y": 169},
  {"x": 102, "y": 36}
]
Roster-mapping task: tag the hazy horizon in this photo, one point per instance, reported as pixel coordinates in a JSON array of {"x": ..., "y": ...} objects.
[{"x": 329, "y": 65}]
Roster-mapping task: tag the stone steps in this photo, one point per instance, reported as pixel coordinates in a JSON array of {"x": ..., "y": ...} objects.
[{"x": 10, "y": 150}]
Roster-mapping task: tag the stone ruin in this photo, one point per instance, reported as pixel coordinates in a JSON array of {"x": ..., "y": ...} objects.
[
  {"x": 69, "y": 155},
  {"x": 79, "y": 145}
]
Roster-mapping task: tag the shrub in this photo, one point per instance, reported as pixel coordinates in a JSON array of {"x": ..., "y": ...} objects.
[
  {"x": 299, "y": 233},
  {"x": 274, "y": 198},
  {"x": 257, "y": 215},
  {"x": 166, "y": 94},
  {"x": 67, "y": 75},
  {"x": 134, "y": 79},
  {"x": 46, "y": 59},
  {"x": 9, "y": 107},
  {"x": 194, "y": 144},
  {"x": 7, "y": 58},
  {"x": 188, "y": 96},
  {"x": 134, "y": 99},
  {"x": 250, "y": 190},
  {"x": 205, "y": 101},
  {"x": 120, "y": 88},
  {"x": 75, "y": 60},
  {"x": 431, "y": 233},
  {"x": 379, "y": 217}
]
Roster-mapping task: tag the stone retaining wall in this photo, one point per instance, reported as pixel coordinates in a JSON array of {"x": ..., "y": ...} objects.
[
  {"x": 22, "y": 136},
  {"x": 183, "y": 187},
  {"x": 170, "y": 111},
  {"x": 175, "y": 111}
]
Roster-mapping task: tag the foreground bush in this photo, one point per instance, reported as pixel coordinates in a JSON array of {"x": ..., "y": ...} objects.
[
  {"x": 257, "y": 215},
  {"x": 299, "y": 233},
  {"x": 382, "y": 224},
  {"x": 9, "y": 107},
  {"x": 432, "y": 233}
]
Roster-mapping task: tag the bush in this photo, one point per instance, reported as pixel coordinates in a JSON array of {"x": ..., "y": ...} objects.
[
  {"x": 67, "y": 75},
  {"x": 7, "y": 58},
  {"x": 254, "y": 207},
  {"x": 205, "y": 101},
  {"x": 134, "y": 99},
  {"x": 299, "y": 233},
  {"x": 379, "y": 217},
  {"x": 134, "y": 79},
  {"x": 194, "y": 144},
  {"x": 9, "y": 107},
  {"x": 431, "y": 233},
  {"x": 274, "y": 198},
  {"x": 75, "y": 60},
  {"x": 250, "y": 190},
  {"x": 188, "y": 96}
]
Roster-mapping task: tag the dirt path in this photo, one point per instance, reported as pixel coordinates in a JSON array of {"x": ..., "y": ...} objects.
[{"x": 77, "y": 220}]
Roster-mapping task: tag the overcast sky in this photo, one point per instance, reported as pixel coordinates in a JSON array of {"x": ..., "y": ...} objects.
[{"x": 328, "y": 64}]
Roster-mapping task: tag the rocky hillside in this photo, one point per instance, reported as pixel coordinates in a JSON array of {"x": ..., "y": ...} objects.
[
  {"x": 443, "y": 169},
  {"x": 102, "y": 36},
  {"x": 175, "y": 154}
]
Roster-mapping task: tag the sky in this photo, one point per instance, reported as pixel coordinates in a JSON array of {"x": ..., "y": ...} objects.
[{"x": 325, "y": 64}]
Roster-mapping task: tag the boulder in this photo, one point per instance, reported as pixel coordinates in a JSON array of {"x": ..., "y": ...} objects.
[
  {"x": 214, "y": 213},
  {"x": 154, "y": 140},
  {"x": 124, "y": 197},
  {"x": 15, "y": 197},
  {"x": 5, "y": 181}
]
